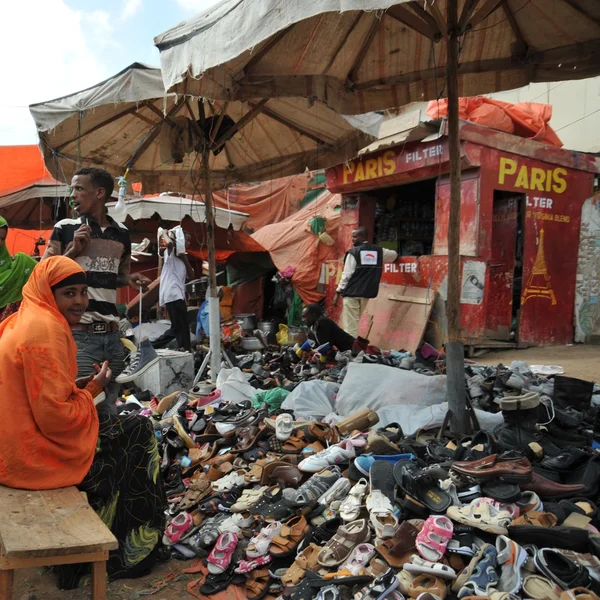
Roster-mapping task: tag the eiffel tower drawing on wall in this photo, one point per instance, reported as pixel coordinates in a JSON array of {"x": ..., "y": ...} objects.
[{"x": 535, "y": 287}]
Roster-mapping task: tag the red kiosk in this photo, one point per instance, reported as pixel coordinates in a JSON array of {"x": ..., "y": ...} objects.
[{"x": 520, "y": 226}]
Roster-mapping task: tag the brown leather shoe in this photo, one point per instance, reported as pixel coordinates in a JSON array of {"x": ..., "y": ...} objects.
[
  {"x": 511, "y": 470},
  {"x": 545, "y": 488}
]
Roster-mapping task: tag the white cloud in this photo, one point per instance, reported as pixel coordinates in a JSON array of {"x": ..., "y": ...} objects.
[
  {"x": 46, "y": 54},
  {"x": 196, "y": 6},
  {"x": 131, "y": 8}
]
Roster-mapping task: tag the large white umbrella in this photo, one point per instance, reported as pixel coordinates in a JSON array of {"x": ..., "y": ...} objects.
[
  {"x": 360, "y": 55},
  {"x": 172, "y": 142}
]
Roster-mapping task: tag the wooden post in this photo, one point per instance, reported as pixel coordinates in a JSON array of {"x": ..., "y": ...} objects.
[
  {"x": 213, "y": 298},
  {"x": 6, "y": 584},
  {"x": 455, "y": 364},
  {"x": 99, "y": 580}
]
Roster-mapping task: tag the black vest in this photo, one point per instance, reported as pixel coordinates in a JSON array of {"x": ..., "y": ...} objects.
[{"x": 364, "y": 282}]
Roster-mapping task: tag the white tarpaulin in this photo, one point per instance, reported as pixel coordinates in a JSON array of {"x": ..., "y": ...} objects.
[
  {"x": 129, "y": 122},
  {"x": 361, "y": 55},
  {"x": 170, "y": 208}
]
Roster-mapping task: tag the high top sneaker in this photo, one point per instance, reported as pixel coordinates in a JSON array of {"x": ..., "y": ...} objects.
[{"x": 520, "y": 425}]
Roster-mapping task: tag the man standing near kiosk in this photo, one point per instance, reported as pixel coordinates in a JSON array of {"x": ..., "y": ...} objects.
[{"x": 363, "y": 267}]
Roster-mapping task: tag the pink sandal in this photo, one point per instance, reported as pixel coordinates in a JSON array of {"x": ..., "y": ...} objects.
[
  {"x": 432, "y": 540},
  {"x": 245, "y": 566},
  {"x": 220, "y": 557},
  {"x": 178, "y": 527}
]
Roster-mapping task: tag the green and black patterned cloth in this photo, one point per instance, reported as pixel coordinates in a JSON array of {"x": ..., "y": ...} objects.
[{"x": 124, "y": 487}]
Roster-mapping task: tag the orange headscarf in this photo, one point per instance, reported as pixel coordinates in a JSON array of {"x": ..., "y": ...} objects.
[{"x": 49, "y": 426}]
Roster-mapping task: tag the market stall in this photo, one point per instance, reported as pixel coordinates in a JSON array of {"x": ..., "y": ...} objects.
[{"x": 520, "y": 219}]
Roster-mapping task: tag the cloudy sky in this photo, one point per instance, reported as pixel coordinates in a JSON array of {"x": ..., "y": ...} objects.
[{"x": 51, "y": 48}]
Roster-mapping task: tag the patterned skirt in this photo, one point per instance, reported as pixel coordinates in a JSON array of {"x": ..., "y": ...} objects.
[
  {"x": 124, "y": 487},
  {"x": 8, "y": 310}
]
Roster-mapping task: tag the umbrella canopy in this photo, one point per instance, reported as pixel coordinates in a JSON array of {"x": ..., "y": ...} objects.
[
  {"x": 129, "y": 122},
  {"x": 361, "y": 55}
]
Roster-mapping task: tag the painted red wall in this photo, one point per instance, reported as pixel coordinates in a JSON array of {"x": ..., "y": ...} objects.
[{"x": 484, "y": 169}]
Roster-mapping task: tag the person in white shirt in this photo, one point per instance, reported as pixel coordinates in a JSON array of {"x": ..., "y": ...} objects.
[
  {"x": 363, "y": 267},
  {"x": 176, "y": 268}
]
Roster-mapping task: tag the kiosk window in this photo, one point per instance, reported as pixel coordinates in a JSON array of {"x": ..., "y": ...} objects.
[{"x": 405, "y": 218}]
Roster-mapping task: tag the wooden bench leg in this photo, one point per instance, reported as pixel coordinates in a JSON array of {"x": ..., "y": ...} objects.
[
  {"x": 99, "y": 580},
  {"x": 6, "y": 585}
]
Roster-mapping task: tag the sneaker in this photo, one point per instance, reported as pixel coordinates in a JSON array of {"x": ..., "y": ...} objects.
[
  {"x": 340, "y": 453},
  {"x": 483, "y": 577},
  {"x": 315, "y": 487},
  {"x": 139, "y": 363},
  {"x": 512, "y": 557},
  {"x": 365, "y": 461}
]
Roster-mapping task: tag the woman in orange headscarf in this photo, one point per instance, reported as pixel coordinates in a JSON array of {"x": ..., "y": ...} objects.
[
  {"x": 53, "y": 435},
  {"x": 50, "y": 425}
]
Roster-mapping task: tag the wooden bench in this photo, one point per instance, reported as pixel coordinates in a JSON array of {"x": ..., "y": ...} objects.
[{"x": 51, "y": 527}]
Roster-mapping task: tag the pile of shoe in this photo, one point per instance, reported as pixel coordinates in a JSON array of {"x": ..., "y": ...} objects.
[{"x": 306, "y": 510}]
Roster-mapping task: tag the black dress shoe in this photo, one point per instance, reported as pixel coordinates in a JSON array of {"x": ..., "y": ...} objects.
[{"x": 567, "y": 460}]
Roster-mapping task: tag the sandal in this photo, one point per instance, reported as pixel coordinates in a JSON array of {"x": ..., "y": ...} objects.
[
  {"x": 421, "y": 485},
  {"x": 481, "y": 515},
  {"x": 358, "y": 559},
  {"x": 290, "y": 536},
  {"x": 257, "y": 584},
  {"x": 307, "y": 559},
  {"x": 177, "y": 528},
  {"x": 220, "y": 557},
  {"x": 433, "y": 538},
  {"x": 284, "y": 425},
  {"x": 256, "y": 453},
  {"x": 420, "y": 565},
  {"x": 350, "y": 507},
  {"x": 259, "y": 544},
  {"x": 427, "y": 584},
  {"x": 398, "y": 550},
  {"x": 340, "y": 546},
  {"x": 248, "y": 499},
  {"x": 245, "y": 566},
  {"x": 196, "y": 492}
]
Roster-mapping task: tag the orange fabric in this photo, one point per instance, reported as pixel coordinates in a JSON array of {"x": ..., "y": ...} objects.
[
  {"x": 526, "y": 119},
  {"x": 49, "y": 426},
  {"x": 23, "y": 240},
  {"x": 291, "y": 243},
  {"x": 22, "y": 167},
  {"x": 266, "y": 202}
]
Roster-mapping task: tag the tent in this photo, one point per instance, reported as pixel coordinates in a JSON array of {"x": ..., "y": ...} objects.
[{"x": 292, "y": 243}]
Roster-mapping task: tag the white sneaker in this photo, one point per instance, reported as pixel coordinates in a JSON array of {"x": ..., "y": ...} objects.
[
  {"x": 338, "y": 491},
  {"x": 340, "y": 453}
]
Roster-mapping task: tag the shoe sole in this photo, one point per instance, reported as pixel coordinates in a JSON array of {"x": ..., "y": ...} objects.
[{"x": 134, "y": 376}]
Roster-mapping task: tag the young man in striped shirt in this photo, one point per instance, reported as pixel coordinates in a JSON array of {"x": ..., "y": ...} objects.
[{"x": 102, "y": 247}]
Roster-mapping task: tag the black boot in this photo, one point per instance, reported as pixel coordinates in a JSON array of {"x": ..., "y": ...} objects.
[
  {"x": 569, "y": 391},
  {"x": 521, "y": 415}
]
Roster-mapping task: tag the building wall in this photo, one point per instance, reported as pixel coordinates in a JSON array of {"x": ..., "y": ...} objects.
[
  {"x": 587, "y": 287},
  {"x": 575, "y": 109}
]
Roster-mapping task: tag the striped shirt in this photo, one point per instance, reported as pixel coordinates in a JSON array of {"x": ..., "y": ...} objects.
[{"x": 106, "y": 261}]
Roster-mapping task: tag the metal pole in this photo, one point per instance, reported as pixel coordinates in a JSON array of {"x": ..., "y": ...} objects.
[
  {"x": 455, "y": 358},
  {"x": 213, "y": 299}
]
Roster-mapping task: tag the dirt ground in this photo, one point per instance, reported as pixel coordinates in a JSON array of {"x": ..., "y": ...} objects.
[
  {"x": 578, "y": 360},
  {"x": 39, "y": 584}
]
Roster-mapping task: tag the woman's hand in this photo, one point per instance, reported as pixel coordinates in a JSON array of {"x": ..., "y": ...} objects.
[
  {"x": 81, "y": 382},
  {"x": 103, "y": 374}
]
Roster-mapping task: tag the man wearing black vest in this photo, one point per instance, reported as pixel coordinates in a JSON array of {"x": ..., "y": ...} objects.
[{"x": 363, "y": 266}]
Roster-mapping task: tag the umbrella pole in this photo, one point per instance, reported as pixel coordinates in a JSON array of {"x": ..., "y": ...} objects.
[
  {"x": 214, "y": 317},
  {"x": 455, "y": 358}
]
